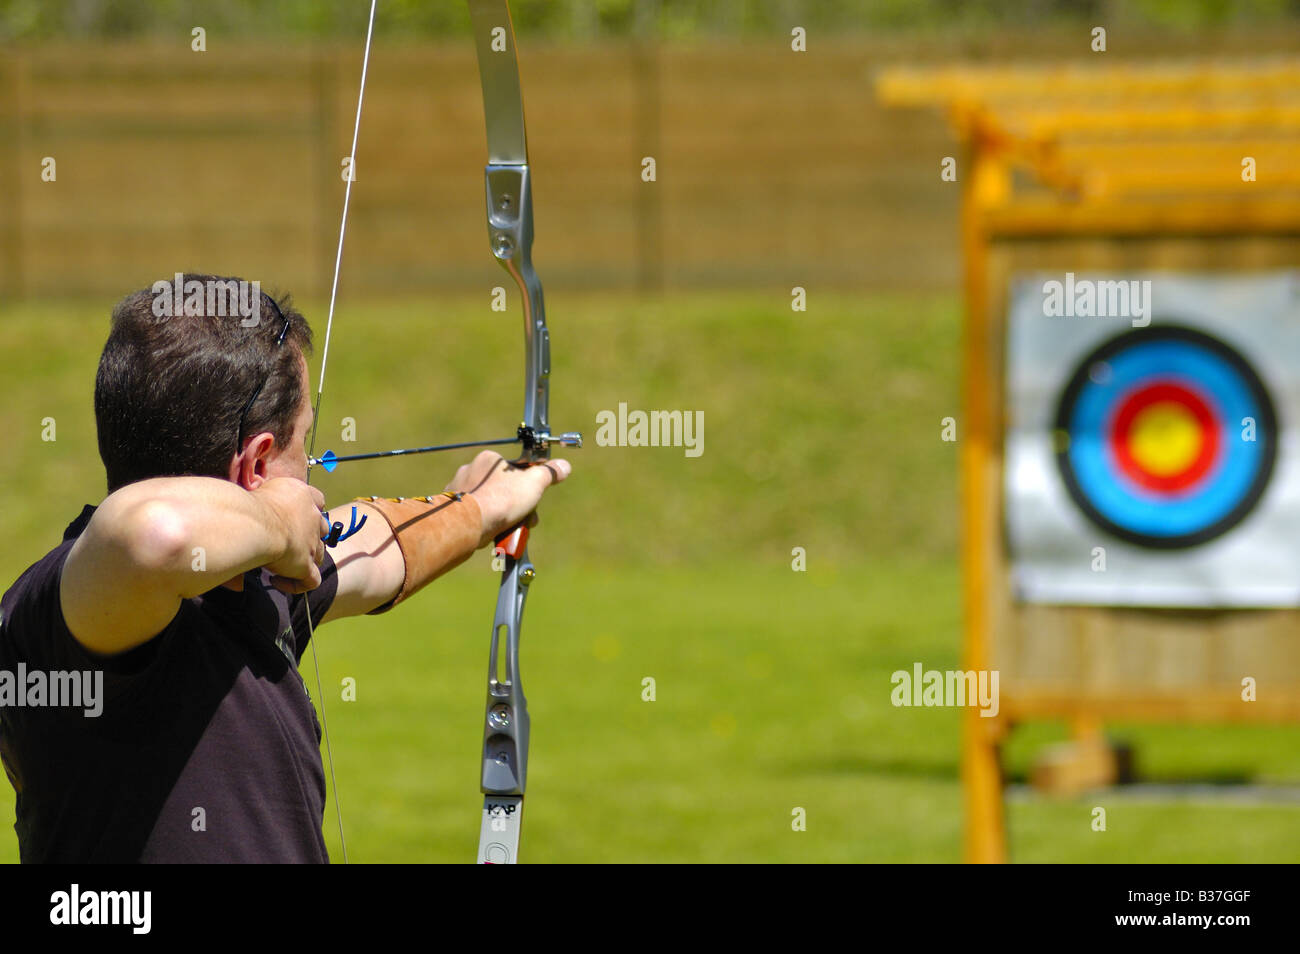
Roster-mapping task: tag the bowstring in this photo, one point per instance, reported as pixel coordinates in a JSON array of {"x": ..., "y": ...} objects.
[{"x": 320, "y": 390}]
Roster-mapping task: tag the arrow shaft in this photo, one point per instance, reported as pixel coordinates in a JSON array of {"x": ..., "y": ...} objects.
[{"x": 420, "y": 450}]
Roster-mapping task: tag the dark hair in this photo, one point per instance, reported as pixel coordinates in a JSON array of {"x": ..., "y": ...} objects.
[{"x": 172, "y": 381}]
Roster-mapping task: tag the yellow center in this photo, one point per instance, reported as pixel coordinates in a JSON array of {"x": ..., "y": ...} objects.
[{"x": 1165, "y": 438}]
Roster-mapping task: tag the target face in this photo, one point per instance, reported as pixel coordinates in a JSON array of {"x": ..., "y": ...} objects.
[{"x": 1152, "y": 439}]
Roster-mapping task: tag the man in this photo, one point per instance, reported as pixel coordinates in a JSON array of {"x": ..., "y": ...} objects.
[{"x": 186, "y": 595}]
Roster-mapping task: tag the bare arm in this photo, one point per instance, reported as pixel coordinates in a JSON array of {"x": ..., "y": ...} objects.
[
  {"x": 369, "y": 564},
  {"x": 157, "y": 542},
  {"x": 371, "y": 568}
]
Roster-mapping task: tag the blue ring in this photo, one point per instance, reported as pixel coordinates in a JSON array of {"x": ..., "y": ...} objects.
[{"x": 1101, "y": 488}]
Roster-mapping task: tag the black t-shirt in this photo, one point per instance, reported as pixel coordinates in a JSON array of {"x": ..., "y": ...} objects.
[{"x": 207, "y": 748}]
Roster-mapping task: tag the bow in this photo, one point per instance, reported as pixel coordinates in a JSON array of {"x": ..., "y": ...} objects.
[{"x": 510, "y": 232}]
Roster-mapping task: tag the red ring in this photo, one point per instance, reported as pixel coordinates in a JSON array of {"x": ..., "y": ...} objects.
[{"x": 1142, "y": 398}]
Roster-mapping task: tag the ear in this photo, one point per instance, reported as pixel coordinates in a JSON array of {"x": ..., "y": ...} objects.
[{"x": 248, "y": 469}]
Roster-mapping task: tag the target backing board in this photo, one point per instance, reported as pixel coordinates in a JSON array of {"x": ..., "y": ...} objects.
[{"x": 1152, "y": 458}]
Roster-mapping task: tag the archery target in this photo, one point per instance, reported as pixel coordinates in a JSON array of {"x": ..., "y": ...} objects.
[
  {"x": 1147, "y": 435},
  {"x": 1156, "y": 464}
]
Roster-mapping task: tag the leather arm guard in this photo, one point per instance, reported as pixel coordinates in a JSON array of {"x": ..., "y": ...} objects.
[{"x": 435, "y": 534}]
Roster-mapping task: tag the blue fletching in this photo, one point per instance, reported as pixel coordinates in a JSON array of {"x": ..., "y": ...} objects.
[{"x": 329, "y": 461}]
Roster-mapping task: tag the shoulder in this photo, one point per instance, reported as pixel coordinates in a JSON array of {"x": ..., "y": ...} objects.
[
  {"x": 30, "y": 610},
  {"x": 35, "y": 594}
]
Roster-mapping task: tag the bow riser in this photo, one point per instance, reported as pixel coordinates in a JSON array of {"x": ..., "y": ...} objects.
[
  {"x": 506, "y": 723},
  {"x": 510, "y": 232}
]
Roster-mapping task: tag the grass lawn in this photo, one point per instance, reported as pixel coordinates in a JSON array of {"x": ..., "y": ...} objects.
[{"x": 771, "y": 687}]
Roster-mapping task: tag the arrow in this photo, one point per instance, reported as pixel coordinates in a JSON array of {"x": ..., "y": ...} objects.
[{"x": 528, "y": 437}]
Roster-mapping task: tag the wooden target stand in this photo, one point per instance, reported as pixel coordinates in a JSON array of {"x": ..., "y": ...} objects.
[{"x": 1126, "y": 169}]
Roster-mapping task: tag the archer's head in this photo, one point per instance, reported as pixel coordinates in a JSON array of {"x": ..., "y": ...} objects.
[{"x": 206, "y": 376}]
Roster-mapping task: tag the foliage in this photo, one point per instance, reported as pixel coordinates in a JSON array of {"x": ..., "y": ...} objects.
[{"x": 587, "y": 19}]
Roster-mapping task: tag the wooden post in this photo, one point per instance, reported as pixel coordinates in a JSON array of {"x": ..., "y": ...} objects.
[{"x": 983, "y": 186}]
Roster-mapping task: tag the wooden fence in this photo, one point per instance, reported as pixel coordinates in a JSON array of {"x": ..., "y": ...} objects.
[{"x": 774, "y": 168}]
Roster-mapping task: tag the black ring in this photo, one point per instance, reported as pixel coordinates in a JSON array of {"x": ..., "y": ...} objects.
[{"x": 1266, "y": 429}]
